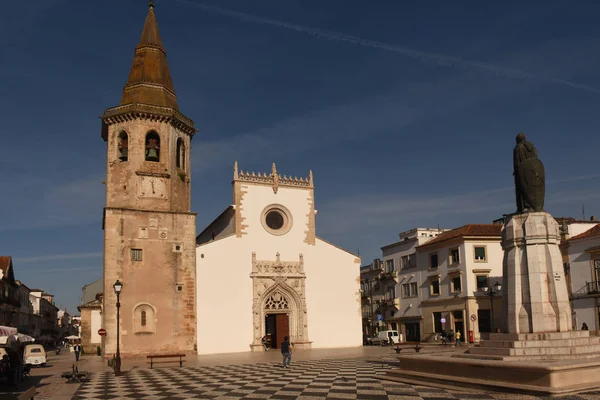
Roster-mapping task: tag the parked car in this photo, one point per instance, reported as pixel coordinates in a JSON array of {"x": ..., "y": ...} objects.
[
  {"x": 383, "y": 338},
  {"x": 34, "y": 354}
]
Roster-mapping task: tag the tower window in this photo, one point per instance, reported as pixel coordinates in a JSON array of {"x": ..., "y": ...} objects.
[
  {"x": 123, "y": 146},
  {"x": 180, "y": 154},
  {"x": 143, "y": 318},
  {"x": 136, "y": 254},
  {"x": 152, "y": 147}
]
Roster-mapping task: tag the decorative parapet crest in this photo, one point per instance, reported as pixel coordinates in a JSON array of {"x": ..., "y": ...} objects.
[
  {"x": 129, "y": 112},
  {"x": 270, "y": 268},
  {"x": 273, "y": 179}
]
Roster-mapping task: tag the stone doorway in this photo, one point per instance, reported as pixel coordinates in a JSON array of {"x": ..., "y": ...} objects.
[
  {"x": 277, "y": 327},
  {"x": 279, "y": 306}
]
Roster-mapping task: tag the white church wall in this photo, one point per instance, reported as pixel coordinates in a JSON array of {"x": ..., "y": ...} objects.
[
  {"x": 224, "y": 296},
  {"x": 332, "y": 296}
]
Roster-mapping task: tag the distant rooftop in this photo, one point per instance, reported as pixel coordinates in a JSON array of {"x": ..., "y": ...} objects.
[{"x": 471, "y": 230}]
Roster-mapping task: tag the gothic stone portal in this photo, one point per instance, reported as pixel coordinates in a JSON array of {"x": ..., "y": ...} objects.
[{"x": 279, "y": 288}]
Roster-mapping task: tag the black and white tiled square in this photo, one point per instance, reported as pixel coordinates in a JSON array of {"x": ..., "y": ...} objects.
[{"x": 324, "y": 379}]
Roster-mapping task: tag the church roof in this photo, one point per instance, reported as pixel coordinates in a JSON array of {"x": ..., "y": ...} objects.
[
  {"x": 471, "y": 230},
  {"x": 149, "y": 79}
]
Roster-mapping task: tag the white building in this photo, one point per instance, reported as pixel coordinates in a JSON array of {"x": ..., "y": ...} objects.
[
  {"x": 261, "y": 270},
  {"x": 451, "y": 271},
  {"x": 583, "y": 267},
  {"x": 400, "y": 258}
]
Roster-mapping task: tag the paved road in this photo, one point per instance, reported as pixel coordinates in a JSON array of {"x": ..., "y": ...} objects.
[{"x": 307, "y": 379}]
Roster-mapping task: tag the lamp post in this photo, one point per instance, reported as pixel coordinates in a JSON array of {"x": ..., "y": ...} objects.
[
  {"x": 118, "y": 286},
  {"x": 491, "y": 292}
]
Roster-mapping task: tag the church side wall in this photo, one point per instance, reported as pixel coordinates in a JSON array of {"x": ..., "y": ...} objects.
[
  {"x": 224, "y": 298},
  {"x": 332, "y": 296}
]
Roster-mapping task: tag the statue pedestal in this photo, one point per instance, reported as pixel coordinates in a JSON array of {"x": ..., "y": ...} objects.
[{"x": 535, "y": 297}]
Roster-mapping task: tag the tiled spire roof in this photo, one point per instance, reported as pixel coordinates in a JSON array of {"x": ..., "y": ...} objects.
[{"x": 149, "y": 79}]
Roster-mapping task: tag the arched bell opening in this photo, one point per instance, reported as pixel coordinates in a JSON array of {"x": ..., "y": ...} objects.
[
  {"x": 152, "y": 147},
  {"x": 123, "y": 146},
  {"x": 180, "y": 156}
]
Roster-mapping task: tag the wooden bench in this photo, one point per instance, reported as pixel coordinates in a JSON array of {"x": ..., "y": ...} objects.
[
  {"x": 410, "y": 345},
  {"x": 153, "y": 356}
]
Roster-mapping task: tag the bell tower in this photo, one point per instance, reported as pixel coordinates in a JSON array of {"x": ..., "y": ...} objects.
[{"x": 149, "y": 231}]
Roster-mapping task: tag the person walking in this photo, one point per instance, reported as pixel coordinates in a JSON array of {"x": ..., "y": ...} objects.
[
  {"x": 286, "y": 351},
  {"x": 458, "y": 338},
  {"x": 584, "y": 327},
  {"x": 444, "y": 337},
  {"x": 264, "y": 342},
  {"x": 77, "y": 349}
]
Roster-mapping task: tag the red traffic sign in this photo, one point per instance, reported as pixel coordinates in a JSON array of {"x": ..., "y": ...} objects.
[
  {"x": 102, "y": 332},
  {"x": 473, "y": 317}
]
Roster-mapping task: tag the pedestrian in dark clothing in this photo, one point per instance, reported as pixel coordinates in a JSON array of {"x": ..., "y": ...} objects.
[
  {"x": 286, "y": 350},
  {"x": 584, "y": 327},
  {"x": 77, "y": 349},
  {"x": 444, "y": 337}
]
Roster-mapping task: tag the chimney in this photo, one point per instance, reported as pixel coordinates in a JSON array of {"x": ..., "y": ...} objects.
[{"x": 593, "y": 218}]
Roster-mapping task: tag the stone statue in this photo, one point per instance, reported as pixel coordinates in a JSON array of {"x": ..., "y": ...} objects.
[{"x": 530, "y": 180}]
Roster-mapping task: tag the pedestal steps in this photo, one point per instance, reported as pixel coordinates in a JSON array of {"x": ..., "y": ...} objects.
[
  {"x": 546, "y": 346},
  {"x": 580, "y": 341},
  {"x": 539, "y": 336},
  {"x": 538, "y": 357}
]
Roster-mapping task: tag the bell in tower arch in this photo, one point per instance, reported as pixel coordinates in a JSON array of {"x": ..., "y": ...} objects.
[
  {"x": 123, "y": 146},
  {"x": 152, "y": 147}
]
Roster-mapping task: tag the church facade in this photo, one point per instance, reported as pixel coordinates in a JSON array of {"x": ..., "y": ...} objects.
[
  {"x": 258, "y": 270},
  {"x": 263, "y": 272}
]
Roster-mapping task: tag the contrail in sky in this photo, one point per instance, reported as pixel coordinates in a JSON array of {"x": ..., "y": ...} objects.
[{"x": 423, "y": 56}]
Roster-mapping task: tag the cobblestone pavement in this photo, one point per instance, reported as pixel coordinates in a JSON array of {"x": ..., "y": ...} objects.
[{"x": 307, "y": 379}]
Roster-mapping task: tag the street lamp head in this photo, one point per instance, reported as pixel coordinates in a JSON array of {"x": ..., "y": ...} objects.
[
  {"x": 497, "y": 286},
  {"x": 118, "y": 286},
  {"x": 485, "y": 289}
]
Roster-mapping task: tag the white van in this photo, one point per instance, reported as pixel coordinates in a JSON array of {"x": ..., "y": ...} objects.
[
  {"x": 34, "y": 354},
  {"x": 384, "y": 337}
]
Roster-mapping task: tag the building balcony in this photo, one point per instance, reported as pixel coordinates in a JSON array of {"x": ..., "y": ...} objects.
[
  {"x": 386, "y": 303},
  {"x": 8, "y": 302},
  {"x": 592, "y": 287},
  {"x": 388, "y": 275}
]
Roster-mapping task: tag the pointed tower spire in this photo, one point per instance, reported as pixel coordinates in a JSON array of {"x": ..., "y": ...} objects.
[{"x": 149, "y": 79}]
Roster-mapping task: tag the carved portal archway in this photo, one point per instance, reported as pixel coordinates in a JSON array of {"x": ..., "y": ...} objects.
[{"x": 279, "y": 287}]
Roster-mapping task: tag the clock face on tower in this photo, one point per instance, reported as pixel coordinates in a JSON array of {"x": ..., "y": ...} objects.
[{"x": 153, "y": 187}]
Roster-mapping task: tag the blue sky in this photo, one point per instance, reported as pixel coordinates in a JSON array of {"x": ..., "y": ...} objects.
[{"x": 405, "y": 111}]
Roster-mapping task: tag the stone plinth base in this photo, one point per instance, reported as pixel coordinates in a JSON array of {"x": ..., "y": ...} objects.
[
  {"x": 535, "y": 297},
  {"x": 537, "y": 346},
  {"x": 553, "y": 378}
]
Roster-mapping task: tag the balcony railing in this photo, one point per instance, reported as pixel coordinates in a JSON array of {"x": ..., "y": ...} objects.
[
  {"x": 592, "y": 287},
  {"x": 388, "y": 275}
]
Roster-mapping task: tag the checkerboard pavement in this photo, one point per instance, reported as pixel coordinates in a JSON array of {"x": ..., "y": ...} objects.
[{"x": 322, "y": 379}]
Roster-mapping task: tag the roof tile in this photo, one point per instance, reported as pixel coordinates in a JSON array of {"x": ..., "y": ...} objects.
[
  {"x": 593, "y": 232},
  {"x": 491, "y": 230}
]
